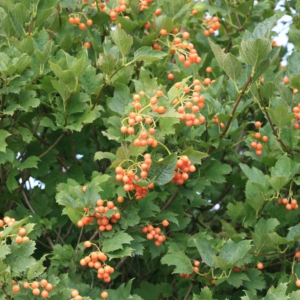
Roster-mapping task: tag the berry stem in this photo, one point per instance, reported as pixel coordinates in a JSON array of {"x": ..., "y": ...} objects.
[{"x": 271, "y": 124}]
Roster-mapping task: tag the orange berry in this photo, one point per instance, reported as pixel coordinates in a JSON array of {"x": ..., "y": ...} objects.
[
  {"x": 298, "y": 282},
  {"x": 16, "y": 288},
  {"x": 297, "y": 254},
  {"x": 82, "y": 26},
  {"x": 36, "y": 292},
  {"x": 260, "y": 266},
  {"x": 104, "y": 295},
  {"x": 89, "y": 22},
  {"x": 44, "y": 294},
  {"x": 257, "y": 124},
  {"x": 208, "y": 70},
  {"x": 285, "y": 80},
  {"x": 87, "y": 244},
  {"x": 165, "y": 223}
]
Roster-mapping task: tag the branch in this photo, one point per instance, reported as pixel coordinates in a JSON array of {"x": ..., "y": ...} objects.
[
  {"x": 52, "y": 146},
  {"x": 235, "y": 107},
  {"x": 169, "y": 202},
  {"x": 188, "y": 292},
  {"x": 104, "y": 86},
  {"x": 272, "y": 126},
  {"x": 27, "y": 202}
]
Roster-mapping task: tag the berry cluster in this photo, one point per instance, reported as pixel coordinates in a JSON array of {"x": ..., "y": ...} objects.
[
  {"x": 104, "y": 271},
  {"x": 212, "y": 24},
  {"x": 189, "y": 103},
  {"x": 75, "y": 295},
  {"x": 121, "y": 8},
  {"x": 289, "y": 205},
  {"x": 259, "y": 137},
  {"x": 185, "y": 51},
  {"x": 77, "y": 21},
  {"x": 144, "y": 122},
  {"x": 35, "y": 287},
  {"x": 21, "y": 236},
  {"x": 155, "y": 233},
  {"x": 216, "y": 121},
  {"x": 99, "y": 212},
  {"x": 130, "y": 176},
  {"x": 183, "y": 167},
  {"x": 196, "y": 264},
  {"x": 296, "y": 111},
  {"x": 144, "y": 4}
]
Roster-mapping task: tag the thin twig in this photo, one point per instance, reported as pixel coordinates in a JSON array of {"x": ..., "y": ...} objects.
[
  {"x": 235, "y": 107},
  {"x": 104, "y": 86},
  {"x": 28, "y": 203},
  {"x": 121, "y": 262},
  {"x": 169, "y": 202},
  {"x": 272, "y": 126},
  {"x": 52, "y": 146},
  {"x": 188, "y": 292}
]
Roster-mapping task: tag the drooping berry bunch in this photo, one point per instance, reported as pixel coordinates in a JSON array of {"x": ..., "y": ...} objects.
[
  {"x": 96, "y": 260},
  {"x": 136, "y": 172},
  {"x": 99, "y": 212},
  {"x": 211, "y": 24},
  {"x": 185, "y": 50},
  {"x": 196, "y": 264},
  {"x": 155, "y": 233},
  {"x": 41, "y": 288},
  {"x": 217, "y": 122},
  {"x": 258, "y": 137},
  {"x": 144, "y": 4},
  {"x": 141, "y": 122},
  {"x": 75, "y": 19},
  {"x": 119, "y": 9},
  {"x": 102, "y": 5},
  {"x": 296, "y": 111},
  {"x": 189, "y": 103},
  {"x": 21, "y": 236},
  {"x": 183, "y": 167},
  {"x": 289, "y": 203}
]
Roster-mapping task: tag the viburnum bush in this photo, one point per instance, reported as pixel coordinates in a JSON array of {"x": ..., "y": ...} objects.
[{"x": 149, "y": 149}]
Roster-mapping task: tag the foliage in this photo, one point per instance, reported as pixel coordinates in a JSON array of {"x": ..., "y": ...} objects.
[{"x": 148, "y": 150}]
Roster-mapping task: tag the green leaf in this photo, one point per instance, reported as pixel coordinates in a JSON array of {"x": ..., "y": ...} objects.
[
  {"x": 255, "y": 51},
  {"x": 278, "y": 182},
  {"x": 116, "y": 242},
  {"x": 121, "y": 99},
  {"x": 122, "y": 40},
  {"x": 277, "y": 293},
  {"x": 263, "y": 29},
  {"x": 229, "y": 63},
  {"x": 162, "y": 172},
  {"x": 4, "y": 250},
  {"x": 194, "y": 156},
  {"x": 205, "y": 294},
  {"x": 166, "y": 126},
  {"x": 3, "y": 135},
  {"x": 101, "y": 155},
  {"x": 122, "y": 292},
  {"x": 294, "y": 295},
  {"x": 181, "y": 262},
  {"x": 294, "y": 233},
  {"x": 233, "y": 253},
  {"x": 254, "y": 175},
  {"x": 11, "y": 181},
  {"x": 214, "y": 176},
  {"x": 43, "y": 55},
  {"x": 148, "y": 54},
  {"x": 107, "y": 63},
  {"x": 266, "y": 226},
  {"x": 36, "y": 269},
  {"x": 281, "y": 116},
  {"x": 24, "y": 250},
  {"x": 256, "y": 282},
  {"x": 30, "y": 162},
  {"x": 294, "y": 63},
  {"x": 237, "y": 279},
  {"x": 205, "y": 249}
]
